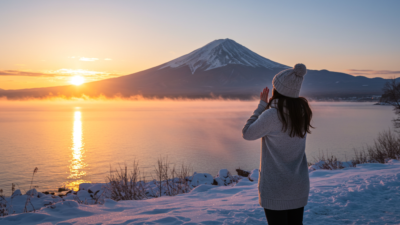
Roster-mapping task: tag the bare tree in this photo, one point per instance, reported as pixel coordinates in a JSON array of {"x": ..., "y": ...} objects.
[{"x": 391, "y": 95}]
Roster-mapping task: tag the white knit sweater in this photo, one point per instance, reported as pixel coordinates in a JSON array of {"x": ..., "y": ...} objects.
[{"x": 283, "y": 182}]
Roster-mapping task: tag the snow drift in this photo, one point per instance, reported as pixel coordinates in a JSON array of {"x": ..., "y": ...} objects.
[{"x": 366, "y": 194}]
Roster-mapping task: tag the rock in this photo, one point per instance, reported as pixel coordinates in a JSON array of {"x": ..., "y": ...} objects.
[
  {"x": 201, "y": 178},
  {"x": 40, "y": 195},
  {"x": 242, "y": 173},
  {"x": 62, "y": 189},
  {"x": 16, "y": 193},
  {"x": 32, "y": 192}
]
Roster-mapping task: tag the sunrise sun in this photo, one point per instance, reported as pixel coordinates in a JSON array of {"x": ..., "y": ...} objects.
[{"x": 77, "y": 80}]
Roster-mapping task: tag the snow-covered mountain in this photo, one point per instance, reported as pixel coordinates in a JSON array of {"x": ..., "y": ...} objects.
[
  {"x": 220, "y": 53},
  {"x": 220, "y": 68}
]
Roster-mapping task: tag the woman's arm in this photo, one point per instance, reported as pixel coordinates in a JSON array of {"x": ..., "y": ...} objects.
[{"x": 253, "y": 129}]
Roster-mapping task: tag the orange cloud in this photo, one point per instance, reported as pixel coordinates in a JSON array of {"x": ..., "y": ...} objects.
[
  {"x": 25, "y": 73},
  {"x": 94, "y": 75}
]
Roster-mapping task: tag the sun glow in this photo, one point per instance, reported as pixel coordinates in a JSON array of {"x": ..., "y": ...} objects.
[
  {"x": 77, "y": 166},
  {"x": 77, "y": 80}
]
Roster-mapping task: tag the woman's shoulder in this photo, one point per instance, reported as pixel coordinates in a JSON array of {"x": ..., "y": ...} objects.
[{"x": 271, "y": 114}]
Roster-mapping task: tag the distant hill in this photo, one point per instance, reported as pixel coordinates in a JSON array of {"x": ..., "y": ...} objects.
[{"x": 220, "y": 68}]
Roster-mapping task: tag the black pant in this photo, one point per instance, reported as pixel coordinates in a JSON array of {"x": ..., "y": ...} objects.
[{"x": 285, "y": 217}]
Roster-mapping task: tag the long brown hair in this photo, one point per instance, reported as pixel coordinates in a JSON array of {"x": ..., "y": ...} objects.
[{"x": 298, "y": 111}]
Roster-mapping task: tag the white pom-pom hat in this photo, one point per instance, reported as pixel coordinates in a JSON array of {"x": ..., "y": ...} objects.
[{"x": 288, "y": 82}]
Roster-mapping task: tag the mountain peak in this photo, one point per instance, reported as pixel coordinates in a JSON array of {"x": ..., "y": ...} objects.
[{"x": 219, "y": 53}]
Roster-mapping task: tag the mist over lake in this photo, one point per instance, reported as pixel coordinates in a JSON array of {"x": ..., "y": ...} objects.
[{"x": 73, "y": 142}]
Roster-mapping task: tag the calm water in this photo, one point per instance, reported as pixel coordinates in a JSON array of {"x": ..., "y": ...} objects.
[{"x": 75, "y": 142}]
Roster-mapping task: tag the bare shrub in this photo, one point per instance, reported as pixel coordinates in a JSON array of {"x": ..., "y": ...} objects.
[
  {"x": 391, "y": 95},
  {"x": 360, "y": 157},
  {"x": 161, "y": 171},
  {"x": 124, "y": 185},
  {"x": 329, "y": 162},
  {"x": 3, "y": 204},
  {"x": 28, "y": 199},
  {"x": 171, "y": 181},
  {"x": 386, "y": 146}
]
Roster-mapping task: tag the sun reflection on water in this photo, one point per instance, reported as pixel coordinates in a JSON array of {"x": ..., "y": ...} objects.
[{"x": 77, "y": 165}]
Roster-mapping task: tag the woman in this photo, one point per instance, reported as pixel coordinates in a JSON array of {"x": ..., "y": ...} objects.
[{"x": 282, "y": 123}]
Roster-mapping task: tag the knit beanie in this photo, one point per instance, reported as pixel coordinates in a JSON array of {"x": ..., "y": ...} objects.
[{"x": 288, "y": 82}]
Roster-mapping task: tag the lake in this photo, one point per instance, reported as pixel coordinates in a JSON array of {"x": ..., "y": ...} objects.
[{"x": 75, "y": 141}]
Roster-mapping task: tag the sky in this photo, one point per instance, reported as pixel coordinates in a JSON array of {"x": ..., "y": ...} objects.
[{"x": 46, "y": 43}]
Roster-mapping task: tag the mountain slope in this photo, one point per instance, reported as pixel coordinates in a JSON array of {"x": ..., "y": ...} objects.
[{"x": 221, "y": 53}]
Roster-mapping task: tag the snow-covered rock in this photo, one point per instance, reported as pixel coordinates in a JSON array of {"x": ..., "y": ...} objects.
[
  {"x": 85, "y": 186},
  {"x": 40, "y": 195},
  {"x": 201, "y": 178},
  {"x": 32, "y": 192},
  {"x": 83, "y": 194},
  {"x": 219, "y": 181},
  {"x": 254, "y": 175},
  {"x": 71, "y": 193},
  {"x": 66, "y": 204},
  {"x": 16, "y": 193},
  {"x": 96, "y": 188},
  {"x": 225, "y": 176},
  {"x": 223, "y": 173}
]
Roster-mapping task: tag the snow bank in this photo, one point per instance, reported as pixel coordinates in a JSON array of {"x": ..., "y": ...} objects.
[
  {"x": 366, "y": 194},
  {"x": 329, "y": 165}
]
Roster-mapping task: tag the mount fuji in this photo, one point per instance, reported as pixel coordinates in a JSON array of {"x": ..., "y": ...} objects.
[
  {"x": 220, "y": 68},
  {"x": 220, "y": 53}
]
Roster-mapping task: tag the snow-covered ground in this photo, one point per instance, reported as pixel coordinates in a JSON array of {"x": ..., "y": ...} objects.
[{"x": 367, "y": 194}]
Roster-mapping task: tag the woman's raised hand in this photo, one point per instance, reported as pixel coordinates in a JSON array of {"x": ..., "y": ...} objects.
[{"x": 264, "y": 94}]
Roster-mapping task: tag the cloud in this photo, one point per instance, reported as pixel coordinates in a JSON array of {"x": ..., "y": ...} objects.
[
  {"x": 61, "y": 74},
  {"x": 88, "y": 59},
  {"x": 374, "y": 73},
  {"x": 24, "y": 73},
  {"x": 107, "y": 59}
]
